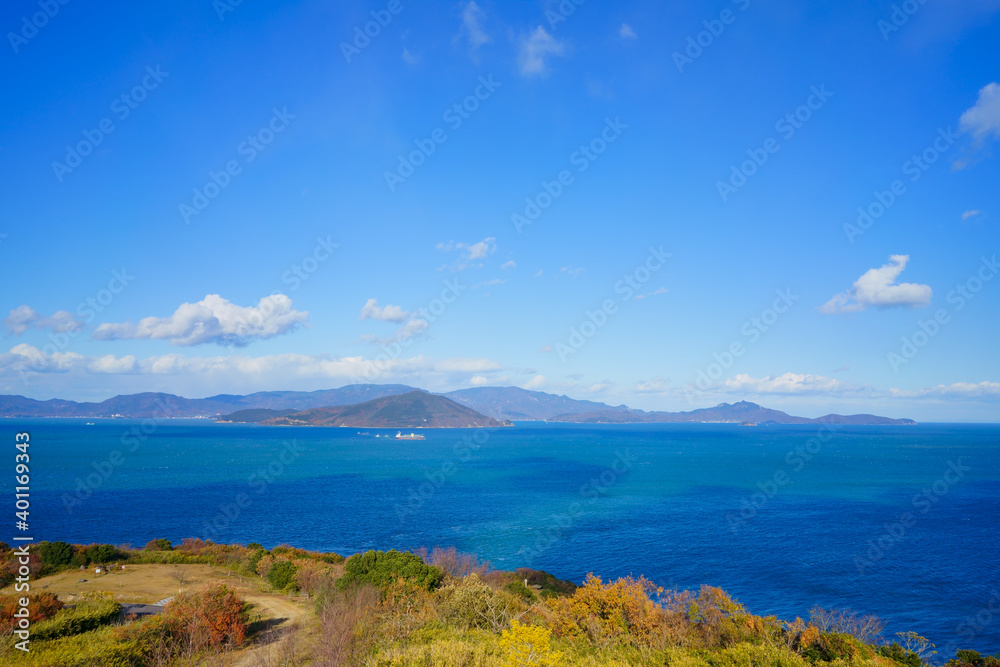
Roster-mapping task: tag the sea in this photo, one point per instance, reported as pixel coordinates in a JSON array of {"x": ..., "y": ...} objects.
[{"x": 902, "y": 522}]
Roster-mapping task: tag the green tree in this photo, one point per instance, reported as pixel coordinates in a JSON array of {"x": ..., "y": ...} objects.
[
  {"x": 282, "y": 574},
  {"x": 101, "y": 553},
  {"x": 55, "y": 553},
  {"x": 381, "y": 568}
]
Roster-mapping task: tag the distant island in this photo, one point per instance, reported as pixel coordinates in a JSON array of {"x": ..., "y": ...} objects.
[
  {"x": 742, "y": 412},
  {"x": 488, "y": 406},
  {"x": 414, "y": 409}
]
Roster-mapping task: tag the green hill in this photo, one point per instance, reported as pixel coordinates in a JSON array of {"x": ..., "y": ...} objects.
[
  {"x": 415, "y": 409},
  {"x": 254, "y": 416}
]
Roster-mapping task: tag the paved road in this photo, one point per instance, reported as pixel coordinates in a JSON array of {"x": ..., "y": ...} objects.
[{"x": 141, "y": 609}]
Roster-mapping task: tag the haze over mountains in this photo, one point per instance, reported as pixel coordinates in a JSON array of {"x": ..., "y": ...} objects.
[
  {"x": 743, "y": 412},
  {"x": 498, "y": 403}
]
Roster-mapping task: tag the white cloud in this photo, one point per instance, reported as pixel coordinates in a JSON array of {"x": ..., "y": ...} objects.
[
  {"x": 508, "y": 265},
  {"x": 489, "y": 283},
  {"x": 657, "y": 292},
  {"x": 409, "y": 58},
  {"x": 571, "y": 271},
  {"x": 478, "y": 381},
  {"x": 788, "y": 383},
  {"x": 314, "y": 366},
  {"x": 109, "y": 363},
  {"x": 983, "y": 389},
  {"x": 213, "y": 320},
  {"x": 981, "y": 122},
  {"x": 654, "y": 386},
  {"x": 537, "y": 274},
  {"x": 23, "y": 318},
  {"x": 235, "y": 373},
  {"x": 970, "y": 214},
  {"x": 536, "y": 382},
  {"x": 414, "y": 327},
  {"x": 470, "y": 252},
  {"x": 481, "y": 249},
  {"x": 983, "y": 119},
  {"x": 390, "y": 313},
  {"x": 534, "y": 48},
  {"x": 876, "y": 288},
  {"x": 472, "y": 30},
  {"x": 466, "y": 365},
  {"x": 28, "y": 358},
  {"x": 626, "y": 32}
]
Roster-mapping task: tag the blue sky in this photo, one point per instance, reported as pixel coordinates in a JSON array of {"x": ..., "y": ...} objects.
[{"x": 254, "y": 198}]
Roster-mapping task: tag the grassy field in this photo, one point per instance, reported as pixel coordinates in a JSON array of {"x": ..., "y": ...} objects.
[
  {"x": 277, "y": 617},
  {"x": 142, "y": 584}
]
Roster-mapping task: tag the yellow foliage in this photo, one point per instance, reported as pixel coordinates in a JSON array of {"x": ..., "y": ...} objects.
[
  {"x": 808, "y": 637},
  {"x": 620, "y": 608},
  {"x": 446, "y": 652},
  {"x": 528, "y": 646}
]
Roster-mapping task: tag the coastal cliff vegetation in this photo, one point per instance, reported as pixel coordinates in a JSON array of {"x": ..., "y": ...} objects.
[{"x": 400, "y": 609}]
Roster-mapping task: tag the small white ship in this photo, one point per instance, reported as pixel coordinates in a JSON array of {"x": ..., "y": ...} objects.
[{"x": 410, "y": 436}]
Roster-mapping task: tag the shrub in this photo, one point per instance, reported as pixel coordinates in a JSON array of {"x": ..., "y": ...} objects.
[
  {"x": 472, "y": 604},
  {"x": 78, "y": 560},
  {"x": 528, "y": 645},
  {"x": 454, "y": 563},
  {"x": 550, "y": 585},
  {"x": 519, "y": 590},
  {"x": 314, "y": 578},
  {"x": 84, "y": 617},
  {"x": 381, "y": 568},
  {"x": 254, "y": 560},
  {"x": 281, "y": 575},
  {"x": 212, "y": 616},
  {"x": 264, "y": 564},
  {"x": 830, "y": 646},
  {"x": 345, "y": 626},
  {"x": 619, "y": 609},
  {"x": 965, "y": 658},
  {"x": 98, "y": 647},
  {"x": 753, "y": 655},
  {"x": 101, "y": 553},
  {"x": 40, "y": 607},
  {"x": 865, "y": 628},
  {"x": 159, "y": 545},
  {"x": 899, "y": 654},
  {"x": 332, "y": 558},
  {"x": 55, "y": 553},
  {"x": 208, "y": 618}
]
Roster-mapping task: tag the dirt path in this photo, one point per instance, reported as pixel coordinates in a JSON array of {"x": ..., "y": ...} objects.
[{"x": 289, "y": 624}]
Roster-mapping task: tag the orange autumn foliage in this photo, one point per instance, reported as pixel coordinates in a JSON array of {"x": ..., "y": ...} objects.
[{"x": 621, "y": 608}]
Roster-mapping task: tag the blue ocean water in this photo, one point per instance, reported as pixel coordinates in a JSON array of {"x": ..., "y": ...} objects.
[{"x": 901, "y": 522}]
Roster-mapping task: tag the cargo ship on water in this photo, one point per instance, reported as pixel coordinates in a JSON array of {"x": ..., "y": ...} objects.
[{"x": 410, "y": 436}]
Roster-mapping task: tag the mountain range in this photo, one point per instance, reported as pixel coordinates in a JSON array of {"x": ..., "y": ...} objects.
[
  {"x": 498, "y": 403},
  {"x": 742, "y": 412}
]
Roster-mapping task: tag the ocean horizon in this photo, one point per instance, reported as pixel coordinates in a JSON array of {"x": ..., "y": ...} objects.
[{"x": 896, "y": 521}]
